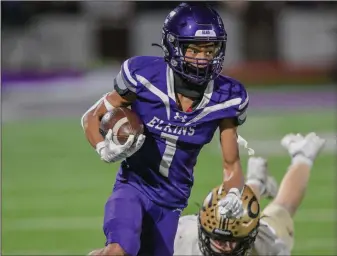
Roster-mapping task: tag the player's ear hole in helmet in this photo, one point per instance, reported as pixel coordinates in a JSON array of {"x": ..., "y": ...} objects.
[
  {"x": 194, "y": 42},
  {"x": 219, "y": 235}
]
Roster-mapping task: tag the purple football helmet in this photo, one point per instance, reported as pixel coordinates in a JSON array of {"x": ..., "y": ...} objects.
[{"x": 191, "y": 24}]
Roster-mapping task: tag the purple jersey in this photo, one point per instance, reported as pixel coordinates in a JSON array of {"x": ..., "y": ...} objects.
[{"x": 163, "y": 168}]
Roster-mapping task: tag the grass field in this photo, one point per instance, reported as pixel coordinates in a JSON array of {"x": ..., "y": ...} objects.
[{"x": 54, "y": 185}]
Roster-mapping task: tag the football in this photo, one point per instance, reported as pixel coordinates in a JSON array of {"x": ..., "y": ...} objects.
[{"x": 123, "y": 122}]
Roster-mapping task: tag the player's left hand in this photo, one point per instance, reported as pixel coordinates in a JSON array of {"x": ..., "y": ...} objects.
[
  {"x": 111, "y": 152},
  {"x": 136, "y": 145},
  {"x": 231, "y": 204}
]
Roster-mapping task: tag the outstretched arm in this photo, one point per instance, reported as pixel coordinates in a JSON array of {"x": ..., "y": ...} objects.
[
  {"x": 233, "y": 174},
  {"x": 303, "y": 152}
]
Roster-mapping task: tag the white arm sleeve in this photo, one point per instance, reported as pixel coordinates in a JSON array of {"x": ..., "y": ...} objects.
[
  {"x": 267, "y": 243},
  {"x": 107, "y": 105},
  {"x": 186, "y": 241}
]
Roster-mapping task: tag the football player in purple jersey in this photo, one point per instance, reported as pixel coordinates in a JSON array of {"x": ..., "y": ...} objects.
[{"x": 182, "y": 100}]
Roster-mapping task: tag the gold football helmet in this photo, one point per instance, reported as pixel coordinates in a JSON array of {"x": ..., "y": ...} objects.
[{"x": 223, "y": 235}]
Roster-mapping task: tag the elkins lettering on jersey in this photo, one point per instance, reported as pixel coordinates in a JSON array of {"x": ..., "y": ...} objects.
[{"x": 159, "y": 125}]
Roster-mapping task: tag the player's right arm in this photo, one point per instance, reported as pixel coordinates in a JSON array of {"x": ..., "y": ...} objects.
[
  {"x": 126, "y": 89},
  {"x": 91, "y": 119}
]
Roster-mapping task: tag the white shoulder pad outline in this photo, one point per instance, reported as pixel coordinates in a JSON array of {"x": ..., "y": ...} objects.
[{"x": 124, "y": 78}]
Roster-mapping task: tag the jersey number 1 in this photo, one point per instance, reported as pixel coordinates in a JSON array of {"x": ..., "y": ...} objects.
[{"x": 170, "y": 149}]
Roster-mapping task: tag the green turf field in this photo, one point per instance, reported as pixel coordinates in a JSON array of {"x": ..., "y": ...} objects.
[{"x": 55, "y": 186}]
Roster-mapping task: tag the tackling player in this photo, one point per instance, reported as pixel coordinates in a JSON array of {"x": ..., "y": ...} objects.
[
  {"x": 269, "y": 233},
  {"x": 182, "y": 100}
]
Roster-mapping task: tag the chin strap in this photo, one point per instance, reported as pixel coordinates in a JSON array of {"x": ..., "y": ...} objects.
[{"x": 158, "y": 45}]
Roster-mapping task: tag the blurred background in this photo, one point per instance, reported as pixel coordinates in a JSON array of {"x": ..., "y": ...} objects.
[{"x": 58, "y": 58}]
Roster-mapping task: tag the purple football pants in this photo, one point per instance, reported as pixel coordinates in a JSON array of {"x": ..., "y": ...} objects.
[{"x": 138, "y": 225}]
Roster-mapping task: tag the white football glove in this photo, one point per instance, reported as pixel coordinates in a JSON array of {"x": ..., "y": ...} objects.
[
  {"x": 136, "y": 146},
  {"x": 111, "y": 152},
  {"x": 303, "y": 149},
  {"x": 231, "y": 204},
  {"x": 257, "y": 173}
]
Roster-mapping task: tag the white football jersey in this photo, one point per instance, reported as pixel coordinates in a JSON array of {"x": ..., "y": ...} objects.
[{"x": 186, "y": 241}]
